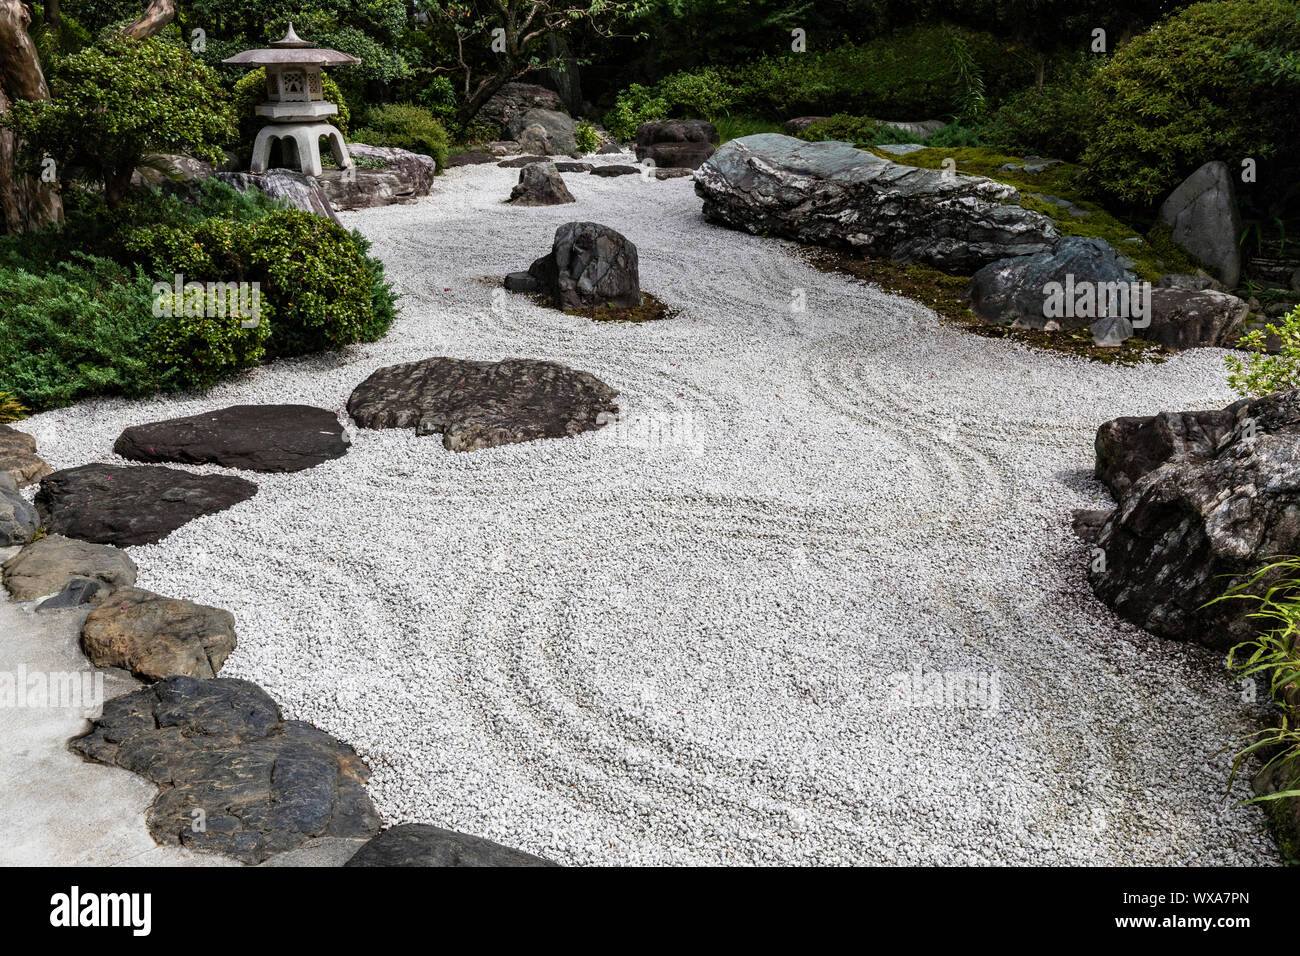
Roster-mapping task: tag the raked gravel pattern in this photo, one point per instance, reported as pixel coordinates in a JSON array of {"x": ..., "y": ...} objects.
[{"x": 678, "y": 639}]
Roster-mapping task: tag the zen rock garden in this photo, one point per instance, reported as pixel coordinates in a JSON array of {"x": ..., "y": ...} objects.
[{"x": 945, "y": 515}]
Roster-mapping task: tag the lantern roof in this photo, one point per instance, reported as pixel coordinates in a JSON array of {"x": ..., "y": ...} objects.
[{"x": 292, "y": 49}]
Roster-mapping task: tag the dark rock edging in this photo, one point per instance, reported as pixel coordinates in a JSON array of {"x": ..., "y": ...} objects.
[{"x": 416, "y": 844}]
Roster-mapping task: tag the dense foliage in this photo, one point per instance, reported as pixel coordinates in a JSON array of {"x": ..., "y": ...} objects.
[
  {"x": 115, "y": 101},
  {"x": 405, "y": 126}
]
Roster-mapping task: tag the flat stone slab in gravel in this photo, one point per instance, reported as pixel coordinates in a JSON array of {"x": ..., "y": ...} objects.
[
  {"x": 46, "y": 566},
  {"x": 263, "y": 784},
  {"x": 617, "y": 170},
  {"x": 478, "y": 405},
  {"x": 155, "y": 637},
  {"x": 521, "y": 161},
  {"x": 141, "y": 504},
  {"x": 417, "y": 844},
  {"x": 18, "y": 457},
  {"x": 270, "y": 438}
]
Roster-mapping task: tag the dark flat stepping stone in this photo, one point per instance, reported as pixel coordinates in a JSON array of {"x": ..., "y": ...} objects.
[
  {"x": 140, "y": 504},
  {"x": 469, "y": 159},
  {"x": 575, "y": 167},
  {"x": 417, "y": 844},
  {"x": 271, "y": 438},
  {"x": 155, "y": 637},
  {"x": 521, "y": 161},
  {"x": 616, "y": 170},
  {"x": 52, "y": 563},
  {"x": 264, "y": 784},
  {"x": 481, "y": 404},
  {"x": 673, "y": 172}
]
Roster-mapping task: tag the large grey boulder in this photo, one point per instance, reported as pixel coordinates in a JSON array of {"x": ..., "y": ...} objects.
[
  {"x": 234, "y": 776},
  {"x": 141, "y": 504},
  {"x": 270, "y": 438},
  {"x": 1187, "y": 319},
  {"x": 295, "y": 189},
  {"x": 513, "y": 100},
  {"x": 833, "y": 193},
  {"x": 1198, "y": 524},
  {"x": 18, "y": 458},
  {"x": 540, "y": 184},
  {"x": 1014, "y": 291},
  {"x": 155, "y": 637},
  {"x": 476, "y": 405},
  {"x": 545, "y": 132},
  {"x": 46, "y": 566},
  {"x": 1203, "y": 216},
  {"x": 405, "y": 177},
  {"x": 1134, "y": 446},
  {"x": 18, "y": 519},
  {"x": 589, "y": 265},
  {"x": 681, "y": 144},
  {"x": 417, "y": 844}
]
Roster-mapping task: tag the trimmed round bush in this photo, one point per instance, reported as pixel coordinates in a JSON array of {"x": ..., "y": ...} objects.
[
  {"x": 1185, "y": 93},
  {"x": 405, "y": 126}
]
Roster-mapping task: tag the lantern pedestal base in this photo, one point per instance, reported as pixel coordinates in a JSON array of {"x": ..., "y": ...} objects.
[{"x": 303, "y": 141}]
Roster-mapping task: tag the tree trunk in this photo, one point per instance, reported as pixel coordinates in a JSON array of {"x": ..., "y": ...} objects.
[
  {"x": 484, "y": 93},
  {"x": 1040, "y": 70},
  {"x": 116, "y": 184},
  {"x": 157, "y": 14},
  {"x": 25, "y": 202},
  {"x": 52, "y": 13}
]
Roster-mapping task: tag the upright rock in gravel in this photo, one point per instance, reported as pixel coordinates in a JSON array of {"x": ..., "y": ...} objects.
[
  {"x": 270, "y": 438},
  {"x": 1200, "y": 523},
  {"x": 833, "y": 193},
  {"x": 297, "y": 189},
  {"x": 676, "y": 143},
  {"x": 142, "y": 504},
  {"x": 18, "y": 458},
  {"x": 1203, "y": 216},
  {"x": 1132, "y": 447},
  {"x": 18, "y": 520},
  {"x": 589, "y": 265},
  {"x": 46, "y": 566},
  {"x": 1186, "y": 319},
  {"x": 540, "y": 184},
  {"x": 417, "y": 844},
  {"x": 1013, "y": 291},
  {"x": 478, "y": 405},
  {"x": 156, "y": 637},
  {"x": 546, "y": 132},
  {"x": 265, "y": 784}
]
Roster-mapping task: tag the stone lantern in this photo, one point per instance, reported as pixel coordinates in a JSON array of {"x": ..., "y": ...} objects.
[{"x": 295, "y": 103}]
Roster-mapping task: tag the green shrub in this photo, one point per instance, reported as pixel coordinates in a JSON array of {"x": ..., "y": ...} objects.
[
  {"x": 320, "y": 287},
  {"x": 1262, "y": 373},
  {"x": 1054, "y": 121},
  {"x": 842, "y": 128},
  {"x": 117, "y": 100},
  {"x": 586, "y": 137},
  {"x": 1179, "y": 96},
  {"x": 250, "y": 90},
  {"x": 440, "y": 98},
  {"x": 405, "y": 126},
  {"x": 12, "y": 410},
  {"x": 82, "y": 329},
  {"x": 636, "y": 105}
]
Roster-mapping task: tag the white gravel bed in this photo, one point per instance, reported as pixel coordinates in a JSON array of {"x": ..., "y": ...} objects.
[{"x": 676, "y": 639}]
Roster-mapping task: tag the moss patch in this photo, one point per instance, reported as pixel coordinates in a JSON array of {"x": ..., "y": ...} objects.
[
  {"x": 1153, "y": 254},
  {"x": 651, "y": 309},
  {"x": 944, "y": 294}
]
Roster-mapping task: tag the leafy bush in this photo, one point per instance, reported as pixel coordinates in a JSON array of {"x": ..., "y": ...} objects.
[
  {"x": 440, "y": 98},
  {"x": 250, "y": 90},
  {"x": 405, "y": 126},
  {"x": 11, "y": 410},
  {"x": 842, "y": 128},
  {"x": 1261, "y": 373},
  {"x": 1054, "y": 121},
  {"x": 322, "y": 288},
  {"x": 1179, "y": 96},
  {"x": 82, "y": 329},
  {"x": 586, "y": 137},
  {"x": 918, "y": 74},
  {"x": 117, "y": 100}
]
